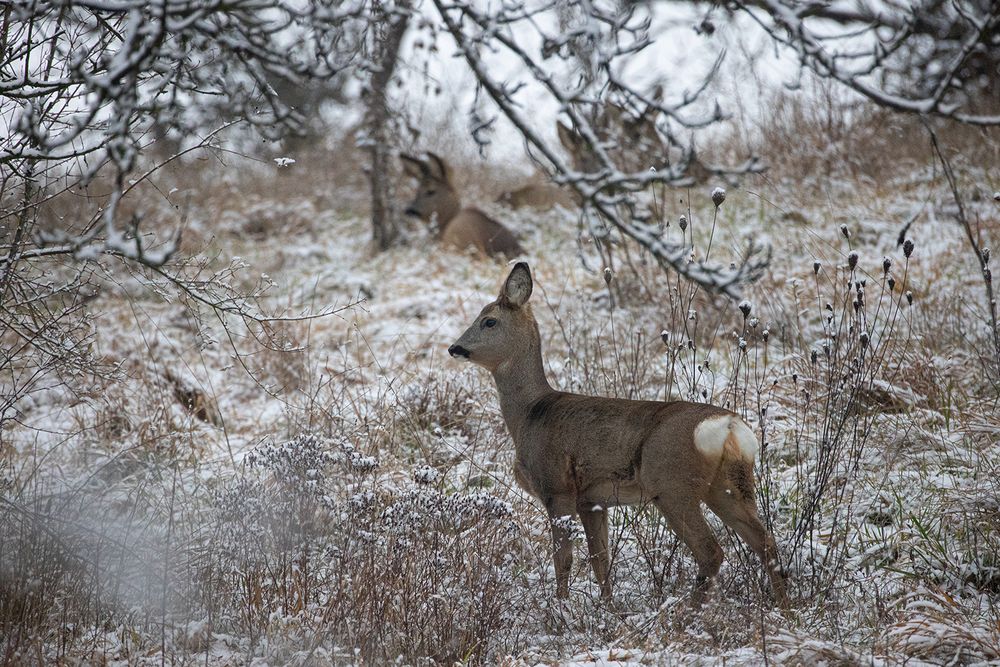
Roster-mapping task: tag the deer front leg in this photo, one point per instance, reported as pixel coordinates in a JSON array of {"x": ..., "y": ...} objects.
[
  {"x": 561, "y": 510},
  {"x": 595, "y": 525}
]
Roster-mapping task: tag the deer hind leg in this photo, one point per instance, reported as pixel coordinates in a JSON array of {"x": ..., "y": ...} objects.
[
  {"x": 595, "y": 525},
  {"x": 687, "y": 520},
  {"x": 738, "y": 509},
  {"x": 561, "y": 509}
]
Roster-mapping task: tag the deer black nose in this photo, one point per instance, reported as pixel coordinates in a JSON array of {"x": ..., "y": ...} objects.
[
  {"x": 458, "y": 351},
  {"x": 412, "y": 211}
]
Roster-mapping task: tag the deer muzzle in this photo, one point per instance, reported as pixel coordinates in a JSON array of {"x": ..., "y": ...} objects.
[{"x": 458, "y": 351}]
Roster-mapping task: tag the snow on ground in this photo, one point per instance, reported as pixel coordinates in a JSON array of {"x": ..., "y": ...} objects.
[{"x": 172, "y": 458}]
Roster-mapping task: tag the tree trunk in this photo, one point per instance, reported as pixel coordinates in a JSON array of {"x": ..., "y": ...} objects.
[{"x": 387, "y": 38}]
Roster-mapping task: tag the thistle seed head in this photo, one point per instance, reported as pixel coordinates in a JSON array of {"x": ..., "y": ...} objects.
[
  {"x": 852, "y": 259},
  {"x": 907, "y": 248},
  {"x": 718, "y": 196},
  {"x": 745, "y": 308}
]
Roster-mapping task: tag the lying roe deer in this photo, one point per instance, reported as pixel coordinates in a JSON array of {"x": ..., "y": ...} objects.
[
  {"x": 462, "y": 228},
  {"x": 582, "y": 454},
  {"x": 632, "y": 142},
  {"x": 537, "y": 196}
]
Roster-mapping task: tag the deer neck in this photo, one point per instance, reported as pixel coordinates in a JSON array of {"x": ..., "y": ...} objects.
[
  {"x": 521, "y": 382},
  {"x": 448, "y": 208}
]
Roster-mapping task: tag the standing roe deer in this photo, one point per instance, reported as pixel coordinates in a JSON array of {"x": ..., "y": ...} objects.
[
  {"x": 582, "y": 454},
  {"x": 459, "y": 227}
]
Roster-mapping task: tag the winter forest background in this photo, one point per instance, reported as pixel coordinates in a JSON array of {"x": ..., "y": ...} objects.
[{"x": 230, "y": 432}]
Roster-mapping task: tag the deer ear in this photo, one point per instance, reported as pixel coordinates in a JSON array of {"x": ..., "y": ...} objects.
[
  {"x": 517, "y": 289},
  {"x": 413, "y": 167},
  {"x": 567, "y": 137},
  {"x": 437, "y": 168}
]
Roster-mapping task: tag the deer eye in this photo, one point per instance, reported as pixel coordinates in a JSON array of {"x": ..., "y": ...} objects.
[
  {"x": 489, "y": 323},
  {"x": 430, "y": 192}
]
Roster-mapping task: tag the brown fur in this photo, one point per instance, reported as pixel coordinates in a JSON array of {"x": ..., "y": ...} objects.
[
  {"x": 538, "y": 196},
  {"x": 580, "y": 455},
  {"x": 632, "y": 142},
  {"x": 437, "y": 201}
]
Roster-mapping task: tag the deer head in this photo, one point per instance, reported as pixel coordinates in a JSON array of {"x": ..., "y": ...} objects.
[
  {"x": 505, "y": 330},
  {"x": 436, "y": 199}
]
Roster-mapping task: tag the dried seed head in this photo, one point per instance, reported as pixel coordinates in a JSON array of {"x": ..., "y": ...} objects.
[
  {"x": 907, "y": 248},
  {"x": 996, "y": 196},
  {"x": 845, "y": 231},
  {"x": 608, "y": 275},
  {"x": 816, "y": 267},
  {"x": 909, "y": 297},
  {"x": 426, "y": 475},
  {"x": 863, "y": 338},
  {"x": 892, "y": 284},
  {"x": 683, "y": 222},
  {"x": 886, "y": 265},
  {"x": 813, "y": 355},
  {"x": 743, "y": 343},
  {"x": 754, "y": 321},
  {"x": 765, "y": 334},
  {"x": 665, "y": 337},
  {"x": 718, "y": 196},
  {"x": 852, "y": 259},
  {"x": 745, "y": 308},
  {"x": 985, "y": 252}
]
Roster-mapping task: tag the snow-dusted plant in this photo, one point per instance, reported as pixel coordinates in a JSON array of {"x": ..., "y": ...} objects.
[{"x": 413, "y": 571}]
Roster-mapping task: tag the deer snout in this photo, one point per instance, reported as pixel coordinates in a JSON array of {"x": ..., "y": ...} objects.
[
  {"x": 412, "y": 211},
  {"x": 458, "y": 351}
]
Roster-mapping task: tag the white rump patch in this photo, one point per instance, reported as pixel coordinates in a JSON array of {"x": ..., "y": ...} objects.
[{"x": 710, "y": 437}]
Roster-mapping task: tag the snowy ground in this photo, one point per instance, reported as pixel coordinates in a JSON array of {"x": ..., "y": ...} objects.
[{"x": 337, "y": 489}]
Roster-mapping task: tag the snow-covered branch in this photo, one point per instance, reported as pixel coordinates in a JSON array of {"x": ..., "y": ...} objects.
[
  {"x": 621, "y": 139},
  {"x": 933, "y": 58}
]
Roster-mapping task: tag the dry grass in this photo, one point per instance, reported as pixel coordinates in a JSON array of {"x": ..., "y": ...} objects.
[{"x": 353, "y": 501}]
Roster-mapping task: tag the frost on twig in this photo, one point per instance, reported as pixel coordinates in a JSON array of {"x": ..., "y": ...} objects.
[
  {"x": 928, "y": 58},
  {"x": 622, "y": 140}
]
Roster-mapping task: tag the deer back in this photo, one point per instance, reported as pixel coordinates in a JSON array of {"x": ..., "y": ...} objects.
[
  {"x": 472, "y": 228},
  {"x": 538, "y": 196}
]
